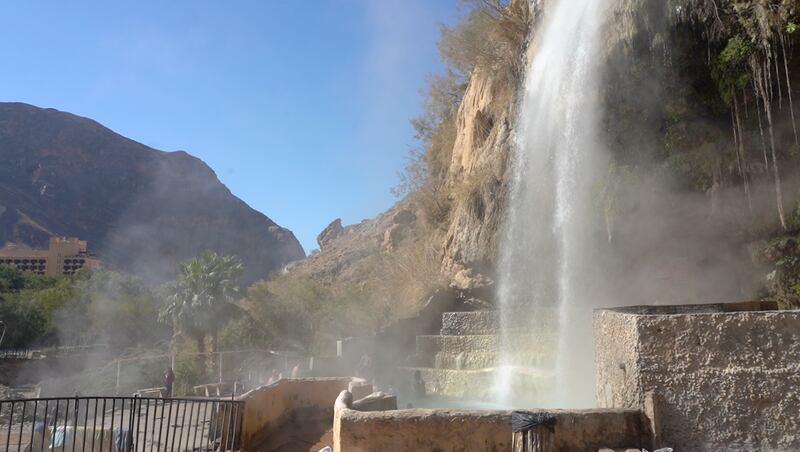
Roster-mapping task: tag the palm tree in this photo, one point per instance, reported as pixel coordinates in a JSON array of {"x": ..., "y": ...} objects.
[{"x": 202, "y": 299}]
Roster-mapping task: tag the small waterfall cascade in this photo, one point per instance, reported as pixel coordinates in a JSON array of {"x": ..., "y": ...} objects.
[{"x": 546, "y": 247}]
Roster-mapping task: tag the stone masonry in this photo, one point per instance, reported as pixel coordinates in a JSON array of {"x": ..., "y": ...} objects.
[
  {"x": 725, "y": 377},
  {"x": 463, "y": 359}
]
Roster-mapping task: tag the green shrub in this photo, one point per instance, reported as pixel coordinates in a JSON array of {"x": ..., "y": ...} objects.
[
  {"x": 93, "y": 306},
  {"x": 491, "y": 35},
  {"x": 730, "y": 70}
]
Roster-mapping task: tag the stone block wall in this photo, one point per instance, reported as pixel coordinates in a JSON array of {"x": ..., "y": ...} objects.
[
  {"x": 269, "y": 408},
  {"x": 725, "y": 377},
  {"x": 418, "y": 429},
  {"x": 484, "y": 430}
]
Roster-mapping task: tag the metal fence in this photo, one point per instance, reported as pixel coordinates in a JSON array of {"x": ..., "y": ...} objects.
[
  {"x": 34, "y": 353},
  {"x": 120, "y": 424},
  {"x": 20, "y": 353}
]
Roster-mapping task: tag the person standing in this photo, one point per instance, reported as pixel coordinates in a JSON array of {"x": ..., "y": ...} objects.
[
  {"x": 364, "y": 368},
  {"x": 169, "y": 379},
  {"x": 419, "y": 385}
]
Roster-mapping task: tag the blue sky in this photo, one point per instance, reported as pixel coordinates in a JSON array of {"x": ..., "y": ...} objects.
[{"x": 301, "y": 107}]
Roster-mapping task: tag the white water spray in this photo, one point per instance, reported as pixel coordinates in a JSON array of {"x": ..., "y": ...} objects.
[{"x": 544, "y": 269}]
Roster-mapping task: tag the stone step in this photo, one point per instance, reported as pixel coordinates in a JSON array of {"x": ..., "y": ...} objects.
[
  {"x": 482, "y": 351},
  {"x": 480, "y": 360},
  {"x": 457, "y": 344},
  {"x": 470, "y": 323},
  {"x": 485, "y": 342},
  {"x": 489, "y": 322},
  {"x": 479, "y": 384}
]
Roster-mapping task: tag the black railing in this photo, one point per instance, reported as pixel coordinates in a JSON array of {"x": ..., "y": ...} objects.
[{"x": 119, "y": 424}]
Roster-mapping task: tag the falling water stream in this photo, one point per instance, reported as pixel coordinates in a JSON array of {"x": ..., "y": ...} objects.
[{"x": 546, "y": 248}]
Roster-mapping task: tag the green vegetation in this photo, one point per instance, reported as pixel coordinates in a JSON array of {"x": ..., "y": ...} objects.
[
  {"x": 135, "y": 320},
  {"x": 730, "y": 70},
  {"x": 200, "y": 302},
  {"x": 490, "y": 36},
  {"x": 205, "y": 304},
  {"x": 93, "y": 306},
  {"x": 202, "y": 299},
  {"x": 295, "y": 313}
]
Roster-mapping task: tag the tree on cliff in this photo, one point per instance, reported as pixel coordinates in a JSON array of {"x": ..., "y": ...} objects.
[{"x": 201, "y": 300}]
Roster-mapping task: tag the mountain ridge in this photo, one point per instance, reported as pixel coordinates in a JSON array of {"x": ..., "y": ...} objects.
[{"x": 140, "y": 208}]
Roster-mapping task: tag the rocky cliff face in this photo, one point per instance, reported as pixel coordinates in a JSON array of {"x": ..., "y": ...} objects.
[
  {"x": 140, "y": 209},
  {"x": 689, "y": 193},
  {"x": 478, "y": 169},
  {"x": 461, "y": 247},
  {"x": 459, "y": 252}
]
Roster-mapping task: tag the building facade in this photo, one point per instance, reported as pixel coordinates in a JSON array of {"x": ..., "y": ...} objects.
[{"x": 64, "y": 256}]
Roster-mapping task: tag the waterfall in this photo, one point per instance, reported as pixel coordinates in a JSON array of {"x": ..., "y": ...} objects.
[{"x": 546, "y": 249}]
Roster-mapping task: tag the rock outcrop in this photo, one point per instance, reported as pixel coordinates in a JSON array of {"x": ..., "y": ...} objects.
[
  {"x": 331, "y": 232},
  {"x": 478, "y": 168},
  {"x": 344, "y": 248},
  {"x": 140, "y": 209}
]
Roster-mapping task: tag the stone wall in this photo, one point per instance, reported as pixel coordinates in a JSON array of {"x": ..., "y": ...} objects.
[
  {"x": 418, "y": 429},
  {"x": 485, "y": 430},
  {"x": 271, "y": 407},
  {"x": 727, "y": 376}
]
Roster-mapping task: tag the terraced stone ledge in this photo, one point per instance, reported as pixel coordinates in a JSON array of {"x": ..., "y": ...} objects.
[
  {"x": 489, "y": 322},
  {"x": 481, "y": 351},
  {"x": 477, "y": 384}
]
